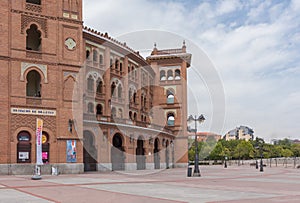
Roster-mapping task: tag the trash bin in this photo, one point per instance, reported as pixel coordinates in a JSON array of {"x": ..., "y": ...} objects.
[{"x": 189, "y": 172}]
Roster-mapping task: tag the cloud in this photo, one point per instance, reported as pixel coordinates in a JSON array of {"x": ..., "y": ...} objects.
[{"x": 254, "y": 46}]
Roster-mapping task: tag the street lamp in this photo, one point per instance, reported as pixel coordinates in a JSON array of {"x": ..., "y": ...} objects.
[
  {"x": 225, "y": 165},
  {"x": 260, "y": 143},
  {"x": 200, "y": 119}
]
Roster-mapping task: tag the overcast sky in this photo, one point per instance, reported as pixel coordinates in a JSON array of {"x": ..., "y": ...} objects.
[{"x": 249, "y": 72}]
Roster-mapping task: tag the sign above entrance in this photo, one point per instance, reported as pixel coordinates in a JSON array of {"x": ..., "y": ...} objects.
[{"x": 40, "y": 112}]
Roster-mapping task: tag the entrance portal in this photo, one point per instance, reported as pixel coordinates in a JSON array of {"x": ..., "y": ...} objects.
[
  {"x": 89, "y": 152},
  {"x": 156, "y": 154},
  {"x": 140, "y": 155},
  {"x": 117, "y": 153}
]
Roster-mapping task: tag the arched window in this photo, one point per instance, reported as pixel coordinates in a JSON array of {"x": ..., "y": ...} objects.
[
  {"x": 110, "y": 62},
  {"x": 170, "y": 75},
  {"x": 33, "y": 38},
  {"x": 116, "y": 64},
  {"x": 121, "y": 68},
  {"x": 24, "y": 147},
  {"x": 171, "y": 119},
  {"x": 101, "y": 59},
  {"x": 134, "y": 116},
  {"x": 90, "y": 83},
  {"x": 95, "y": 56},
  {"x": 119, "y": 91},
  {"x": 134, "y": 97},
  {"x": 170, "y": 96},
  {"x": 177, "y": 74},
  {"x": 120, "y": 113},
  {"x": 99, "y": 110},
  {"x": 113, "y": 88},
  {"x": 38, "y": 2},
  {"x": 162, "y": 75},
  {"x": 130, "y": 95},
  {"x": 99, "y": 86},
  {"x": 145, "y": 101},
  {"x": 87, "y": 54},
  {"x": 113, "y": 112},
  {"x": 90, "y": 107},
  {"x": 130, "y": 115},
  {"x": 145, "y": 118},
  {"x": 33, "y": 86},
  {"x": 142, "y": 99}
]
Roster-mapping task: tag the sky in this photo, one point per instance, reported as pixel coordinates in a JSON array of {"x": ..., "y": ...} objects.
[{"x": 245, "y": 66}]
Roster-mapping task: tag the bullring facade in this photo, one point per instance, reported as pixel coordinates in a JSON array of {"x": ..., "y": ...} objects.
[{"x": 103, "y": 105}]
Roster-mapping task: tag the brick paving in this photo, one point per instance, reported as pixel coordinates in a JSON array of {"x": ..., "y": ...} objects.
[{"x": 234, "y": 184}]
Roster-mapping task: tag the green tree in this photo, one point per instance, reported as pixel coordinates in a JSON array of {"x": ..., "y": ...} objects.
[
  {"x": 244, "y": 150},
  {"x": 218, "y": 152},
  {"x": 296, "y": 149}
]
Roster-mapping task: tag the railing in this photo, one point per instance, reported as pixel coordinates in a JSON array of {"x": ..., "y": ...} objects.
[{"x": 169, "y": 51}]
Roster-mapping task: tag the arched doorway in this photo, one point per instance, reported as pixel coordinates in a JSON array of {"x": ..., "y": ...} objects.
[
  {"x": 89, "y": 152},
  {"x": 140, "y": 154},
  {"x": 156, "y": 154},
  {"x": 167, "y": 155},
  {"x": 45, "y": 148},
  {"x": 117, "y": 153},
  {"x": 24, "y": 147}
]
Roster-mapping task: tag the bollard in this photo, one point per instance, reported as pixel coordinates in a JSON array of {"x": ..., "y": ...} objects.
[{"x": 189, "y": 171}]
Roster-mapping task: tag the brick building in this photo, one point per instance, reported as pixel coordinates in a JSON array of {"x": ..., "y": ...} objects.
[{"x": 104, "y": 106}]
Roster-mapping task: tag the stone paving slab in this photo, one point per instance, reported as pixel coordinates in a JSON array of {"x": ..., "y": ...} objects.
[{"x": 234, "y": 184}]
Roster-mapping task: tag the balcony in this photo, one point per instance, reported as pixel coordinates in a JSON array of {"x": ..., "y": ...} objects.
[{"x": 34, "y": 101}]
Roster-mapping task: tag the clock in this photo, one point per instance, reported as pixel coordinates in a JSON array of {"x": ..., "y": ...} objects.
[{"x": 70, "y": 43}]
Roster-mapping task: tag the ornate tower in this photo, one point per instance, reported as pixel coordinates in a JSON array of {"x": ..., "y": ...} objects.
[
  {"x": 41, "y": 55},
  {"x": 171, "y": 95}
]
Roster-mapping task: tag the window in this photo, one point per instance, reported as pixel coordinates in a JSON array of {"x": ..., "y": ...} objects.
[
  {"x": 120, "y": 113},
  {"x": 99, "y": 110},
  {"x": 95, "y": 56},
  {"x": 90, "y": 107},
  {"x": 177, "y": 74},
  {"x": 24, "y": 147},
  {"x": 113, "y": 88},
  {"x": 99, "y": 86},
  {"x": 134, "y": 97},
  {"x": 38, "y": 2},
  {"x": 134, "y": 116},
  {"x": 130, "y": 95},
  {"x": 162, "y": 75},
  {"x": 33, "y": 38},
  {"x": 130, "y": 115},
  {"x": 90, "y": 83},
  {"x": 170, "y": 96},
  {"x": 113, "y": 112},
  {"x": 101, "y": 59},
  {"x": 171, "y": 119},
  {"x": 33, "y": 86},
  {"x": 117, "y": 64},
  {"x": 111, "y": 62},
  {"x": 121, "y": 67},
  {"x": 119, "y": 91},
  {"x": 87, "y": 54},
  {"x": 170, "y": 75}
]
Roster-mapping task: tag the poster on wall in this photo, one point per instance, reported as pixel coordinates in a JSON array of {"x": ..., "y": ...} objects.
[
  {"x": 39, "y": 130},
  {"x": 71, "y": 151}
]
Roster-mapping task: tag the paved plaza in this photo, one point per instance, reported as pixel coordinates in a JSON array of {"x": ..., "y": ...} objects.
[{"x": 234, "y": 184}]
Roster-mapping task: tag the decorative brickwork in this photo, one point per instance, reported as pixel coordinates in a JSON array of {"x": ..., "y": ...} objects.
[
  {"x": 26, "y": 20},
  {"x": 18, "y": 121},
  {"x": 33, "y": 8}
]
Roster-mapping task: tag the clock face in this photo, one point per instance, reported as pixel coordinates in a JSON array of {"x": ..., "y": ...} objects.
[{"x": 70, "y": 43}]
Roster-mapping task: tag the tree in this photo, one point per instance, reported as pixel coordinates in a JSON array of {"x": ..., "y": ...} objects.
[
  {"x": 296, "y": 149},
  {"x": 244, "y": 150},
  {"x": 218, "y": 152}
]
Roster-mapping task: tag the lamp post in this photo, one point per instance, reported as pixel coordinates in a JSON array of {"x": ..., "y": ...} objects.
[
  {"x": 200, "y": 119},
  {"x": 225, "y": 165}
]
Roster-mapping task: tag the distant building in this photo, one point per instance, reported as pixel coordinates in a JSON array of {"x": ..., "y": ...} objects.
[
  {"x": 205, "y": 136},
  {"x": 240, "y": 133}
]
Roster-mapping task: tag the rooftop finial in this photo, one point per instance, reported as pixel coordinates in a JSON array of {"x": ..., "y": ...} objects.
[
  {"x": 184, "y": 47},
  {"x": 183, "y": 42},
  {"x": 154, "y": 45}
]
